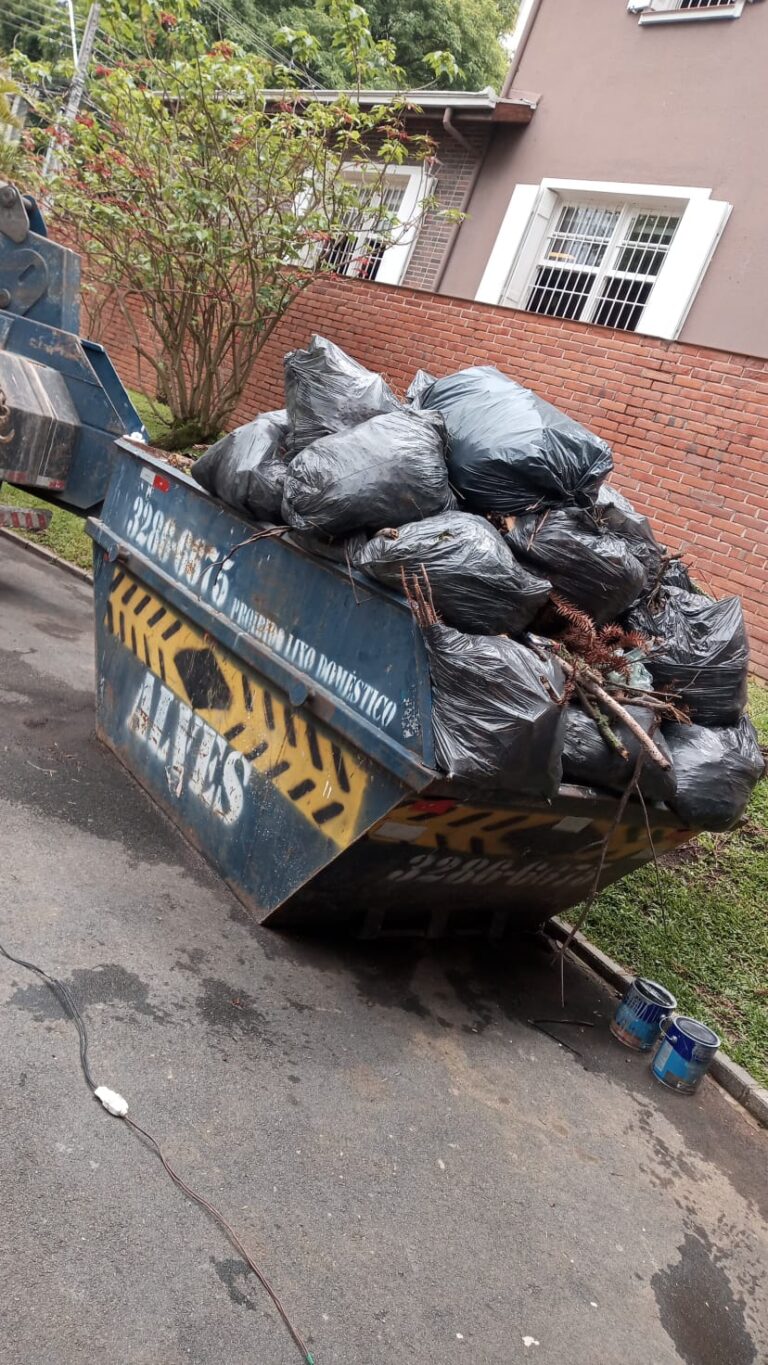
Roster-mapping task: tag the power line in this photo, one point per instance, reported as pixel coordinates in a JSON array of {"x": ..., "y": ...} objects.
[
  {"x": 26, "y": 14},
  {"x": 33, "y": 16},
  {"x": 235, "y": 24},
  {"x": 35, "y": 11}
]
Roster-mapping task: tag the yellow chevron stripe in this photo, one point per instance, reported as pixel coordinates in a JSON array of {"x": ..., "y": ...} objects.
[
  {"x": 479, "y": 830},
  {"x": 484, "y": 832},
  {"x": 322, "y": 778}
]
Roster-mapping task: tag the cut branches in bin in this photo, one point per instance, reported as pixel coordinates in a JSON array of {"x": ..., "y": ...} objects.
[{"x": 589, "y": 681}]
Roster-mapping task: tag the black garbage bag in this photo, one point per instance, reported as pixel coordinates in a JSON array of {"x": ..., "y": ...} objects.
[
  {"x": 493, "y": 717},
  {"x": 246, "y": 468},
  {"x": 422, "y": 380},
  {"x": 590, "y": 567},
  {"x": 716, "y": 771},
  {"x": 616, "y": 513},
  {"x": 476, "y": 583},
  {"x": 676, "y": 575},
  {"x": 589, "y": 761},
  {"x": 386, "y": 471},
  {"x": 343, "y": 550},
  {"x": 325, "y": 390},
  {"x": 702, "y": 654},
  {"x": 509, "y": 451}
]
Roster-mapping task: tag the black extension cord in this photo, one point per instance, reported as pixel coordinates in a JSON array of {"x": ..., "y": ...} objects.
[{"x": 67, "y": 1002}]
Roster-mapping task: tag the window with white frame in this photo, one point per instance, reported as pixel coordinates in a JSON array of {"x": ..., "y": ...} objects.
[
  {"x": 365, "y": 250},
  {"x": 624, "y": 256},
  {"x": 674, "y": 11},
  {"x": 600, "y": 263}
]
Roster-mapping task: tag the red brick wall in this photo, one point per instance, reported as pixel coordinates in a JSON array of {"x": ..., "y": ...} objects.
[
  {"x": 688, "y": 426},
  {"x": 452, "y": 174},
  {"x": 109, "y": 326}
]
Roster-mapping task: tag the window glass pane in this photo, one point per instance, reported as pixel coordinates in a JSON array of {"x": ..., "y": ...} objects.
[
  {"x": 359, "y": 250},
  {"x": 355, "y": 255},
  {"x": 704, "y": 4},
  {"x": 338, "y": 254},
  {"x": 370, "y": 258},
  {"x": 644, "y": 248},
  {"x": 581, "y": 235},
  {"x": 372, "y": 203},
  {"x": 392, "y": 197}
]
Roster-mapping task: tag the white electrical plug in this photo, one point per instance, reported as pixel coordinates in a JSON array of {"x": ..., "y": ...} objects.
[{"x": 113, "y": 1103}]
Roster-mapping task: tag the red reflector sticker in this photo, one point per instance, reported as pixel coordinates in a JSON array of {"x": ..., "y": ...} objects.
[{"x": 159, "y": 481}]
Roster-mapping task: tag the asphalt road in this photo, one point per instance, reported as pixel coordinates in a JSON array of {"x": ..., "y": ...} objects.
[{"x": 424, "y": 1175}]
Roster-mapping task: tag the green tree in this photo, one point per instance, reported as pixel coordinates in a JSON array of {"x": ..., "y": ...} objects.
[
  {"x": 202, "y": 210},
  {"x": 17, "y": 161},
  {"x": 470, "y": 29},
  {"x": 41, "y": 32}
]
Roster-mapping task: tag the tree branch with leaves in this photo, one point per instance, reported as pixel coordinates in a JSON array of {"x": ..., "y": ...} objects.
[{"x": 204, "y": 206}]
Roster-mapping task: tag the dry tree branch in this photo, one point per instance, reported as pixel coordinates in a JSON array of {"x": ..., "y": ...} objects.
[
  {"x": 601, "y": 721},
  {"x": 588, "y": 679},
  {"x": 420, "y": 602},
  {"x": 597, "y": 690}
]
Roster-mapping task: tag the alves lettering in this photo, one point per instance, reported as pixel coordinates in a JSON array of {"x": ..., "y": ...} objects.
[
  {"x": 216, "y": 725},
  {"x": 192, "y": 753}
]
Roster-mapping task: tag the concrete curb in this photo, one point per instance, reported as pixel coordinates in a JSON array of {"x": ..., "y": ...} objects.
[
  {"x": 44, "y": 553},
  {"x": 740, "y": 1085}
]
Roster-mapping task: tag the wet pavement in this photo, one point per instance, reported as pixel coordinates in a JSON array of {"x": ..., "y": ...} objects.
[{"x": 425, "y": 1176}]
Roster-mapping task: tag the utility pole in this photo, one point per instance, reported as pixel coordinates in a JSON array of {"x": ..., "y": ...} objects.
[{"x": 75, "y": 97}]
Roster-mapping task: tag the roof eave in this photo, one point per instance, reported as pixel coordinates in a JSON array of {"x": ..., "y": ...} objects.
[{"x": 482, "y": 106}]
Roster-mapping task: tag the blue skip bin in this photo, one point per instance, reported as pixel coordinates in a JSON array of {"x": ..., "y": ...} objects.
[{"x": 278, "y": 707}]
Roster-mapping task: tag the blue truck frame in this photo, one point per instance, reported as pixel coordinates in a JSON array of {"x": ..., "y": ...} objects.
[{"x": 87, "y": 408}]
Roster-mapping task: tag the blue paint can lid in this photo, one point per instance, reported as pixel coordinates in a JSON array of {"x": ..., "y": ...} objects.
[
  {"x": 699, "y": 1033},
  {"x": 656, "y": 994}
]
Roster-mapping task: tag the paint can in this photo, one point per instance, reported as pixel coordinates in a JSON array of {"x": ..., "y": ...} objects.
[
  {"x": 641, "y": 1014},
  {"x": 684, "y": 1054}
]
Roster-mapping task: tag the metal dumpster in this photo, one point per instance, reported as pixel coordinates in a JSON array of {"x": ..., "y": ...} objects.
[{"x": 277, "y": 707}]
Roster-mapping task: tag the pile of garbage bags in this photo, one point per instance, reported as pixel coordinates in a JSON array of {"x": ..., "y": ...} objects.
[{"x": 539, "y": 588}]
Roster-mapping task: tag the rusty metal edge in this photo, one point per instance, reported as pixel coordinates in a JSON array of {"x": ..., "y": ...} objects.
[
  {"x": 735, "y": 1079},
  {"x": 44, "y": 553}
]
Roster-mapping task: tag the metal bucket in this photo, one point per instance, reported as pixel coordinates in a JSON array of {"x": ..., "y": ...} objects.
[
  {"x": 642, "y": 1013},
  {"x": 684, "y": 1054}
]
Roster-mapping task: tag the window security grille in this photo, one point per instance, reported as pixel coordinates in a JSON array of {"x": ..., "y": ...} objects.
[
  {"x": 599, "y": 264},
  {"x": 359, "y": 252}
]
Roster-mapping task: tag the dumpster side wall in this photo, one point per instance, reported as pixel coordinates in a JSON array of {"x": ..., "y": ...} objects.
[{"x": 688, "y": 425}]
